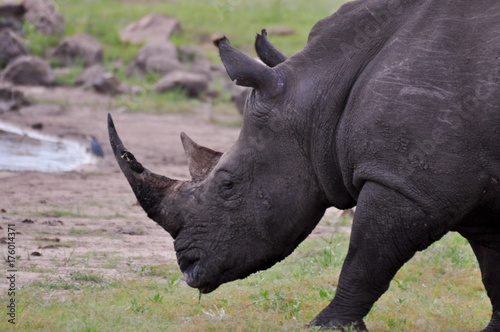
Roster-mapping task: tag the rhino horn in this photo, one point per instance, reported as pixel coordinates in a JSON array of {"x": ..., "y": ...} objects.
[
  {"x": 201, "y": 160},
  {"x": 150, "y": 189},
  {"x": 247, "y": 71},
  {"x": 266, "y": 51}
]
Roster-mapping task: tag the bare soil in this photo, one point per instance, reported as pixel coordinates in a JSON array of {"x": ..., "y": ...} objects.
[{"x": 89, "y": 218}]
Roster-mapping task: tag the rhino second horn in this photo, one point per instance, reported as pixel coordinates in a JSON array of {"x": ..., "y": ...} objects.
[
  {"x": 201, "y": 160},
  {"x": 247, "y": 71},
  {"x": 150, "y": 189},
  {"x": 267, "y": 52}
]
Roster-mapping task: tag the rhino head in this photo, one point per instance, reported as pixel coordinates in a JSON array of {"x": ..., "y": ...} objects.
[{"x": 248, "y": 208}]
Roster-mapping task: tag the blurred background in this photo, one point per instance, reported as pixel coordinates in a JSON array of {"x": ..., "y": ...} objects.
[{"x": 115, "y": 31}]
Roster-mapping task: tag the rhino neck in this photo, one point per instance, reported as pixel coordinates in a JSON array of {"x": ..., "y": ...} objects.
[{"x": 342, "y": 45}]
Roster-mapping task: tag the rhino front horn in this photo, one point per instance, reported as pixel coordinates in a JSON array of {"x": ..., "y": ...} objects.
[
  {"x": 247, "y": 71},
  {"x": 153, "y": 191}
]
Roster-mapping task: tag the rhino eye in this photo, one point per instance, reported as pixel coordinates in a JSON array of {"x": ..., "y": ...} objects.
[
  {"x": 227, "y": 191},
  {"x": 228, "y": 185}
]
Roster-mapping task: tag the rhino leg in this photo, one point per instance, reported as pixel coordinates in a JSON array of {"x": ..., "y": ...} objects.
[
  {"x": 489, "y": 263},
  {"x": 482, "y": 230},
  {"x": 388, "y": 229}
]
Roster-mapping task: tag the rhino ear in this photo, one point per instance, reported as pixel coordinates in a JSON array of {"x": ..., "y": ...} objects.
[
  {"x": 201, "y": 160},
  {"x": 247, "y": 71},
  {"x": 266, "y": 51}
]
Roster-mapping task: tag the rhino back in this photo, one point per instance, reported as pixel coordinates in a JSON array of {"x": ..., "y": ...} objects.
[{"x": 423, "y": 115}]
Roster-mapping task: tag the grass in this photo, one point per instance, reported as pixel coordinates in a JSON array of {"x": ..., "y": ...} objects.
[
  {"x": 77, "y": 213},
  {"x": 438, "y": 290},
  {"x": 86, "y": 277}
]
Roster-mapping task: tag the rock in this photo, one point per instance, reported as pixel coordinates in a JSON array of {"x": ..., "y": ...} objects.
[
  {"x": 90, "y": 74},
  {"x": 11, "y": 46},
  {"x": 162, "y": 65},
  {"x": 239, "y": 96},
  {"x": 11, "y": 100},
  {"x": 28, "y": 70},
  {"x": 189, "y": 53},
  {"x": 79, "y": 48},
  {"x": 202, "y": 66},
  {"x": 149, "y": 58},
  {"x": 43, "y": 15},
  {"x": 101, "y": 80},
  {"x": 108, "y": 84},
  {"x": 11, "y": 16},
  {"x": 151, "y": 28},
  {"x": 192, "y": 83}
]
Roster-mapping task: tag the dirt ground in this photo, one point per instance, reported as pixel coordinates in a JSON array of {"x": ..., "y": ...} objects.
[{"x": 89, "y": 218}]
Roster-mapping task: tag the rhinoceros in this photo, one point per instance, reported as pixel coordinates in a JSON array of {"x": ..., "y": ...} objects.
[{"x": 393, "y": 106}]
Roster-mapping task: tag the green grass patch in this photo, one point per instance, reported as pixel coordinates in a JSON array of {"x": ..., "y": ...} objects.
[
  {"x": 80, "y": 231},
  {"x": 55, "y": 213},
  {"x": 77, "y": 213},
  {"x": 439, "y": 290},
  {"x": 69, "y": 77},
  {"x": 168, "y": 102},
  {"x": 35, "y": 269},
  {"x": 86, "y": 277}
]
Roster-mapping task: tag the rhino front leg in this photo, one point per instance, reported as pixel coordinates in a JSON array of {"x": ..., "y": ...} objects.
[
  {"x": 489, "y": 263},
  {"x": 388, "y": 229}
]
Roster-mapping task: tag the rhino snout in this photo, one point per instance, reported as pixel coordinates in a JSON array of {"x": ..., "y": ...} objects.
[{"x": 194, "y": 278}]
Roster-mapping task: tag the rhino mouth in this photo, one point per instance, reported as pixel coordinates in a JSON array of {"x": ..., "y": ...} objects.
[{"x": 194, "y": 278}]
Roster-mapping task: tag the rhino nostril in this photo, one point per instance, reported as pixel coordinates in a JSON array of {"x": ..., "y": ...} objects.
[
  {"x": 191, "y": 274},
  {"x": 187, "y": 262}
]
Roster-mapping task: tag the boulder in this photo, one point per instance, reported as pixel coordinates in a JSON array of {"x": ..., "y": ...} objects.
[
  {"x": 203, "y": 66},
  {"x": 11, "y": 99},
  {"x": 192, "y": 83},
  {"x": 43, "y": 15},
  {"x": 28, "y": 70},
  {"x": 190, "y": 53},
  {"x": 239, "y": 96},
  {"x": 11, "y": 16},
  {"x": 98, "y": 78},
  {"x": 158, "y": 56},
  {"x": 79, "y": 48},
  {"x": 90, "y": 74},
  {"x": 11, "y": 46},
  {"x": 151, "y": 28},
  {"x": 108, "y": 84},
  {"x": 162, "y": 65}
]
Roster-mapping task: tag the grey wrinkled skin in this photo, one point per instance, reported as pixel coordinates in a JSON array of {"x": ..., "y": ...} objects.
[{"x": 392, "y": 106}]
